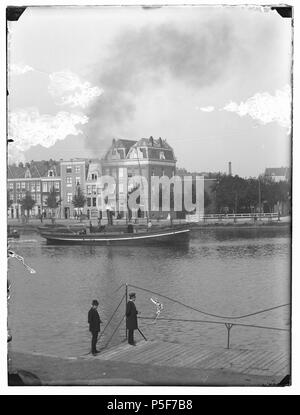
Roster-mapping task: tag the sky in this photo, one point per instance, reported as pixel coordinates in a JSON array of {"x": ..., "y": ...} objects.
[{"x": 213, "y": 81}]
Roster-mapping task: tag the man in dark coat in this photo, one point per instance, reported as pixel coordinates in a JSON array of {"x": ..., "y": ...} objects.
[
  {"x": 94, "y": 323},
  {"x": 131, "y": 318}
]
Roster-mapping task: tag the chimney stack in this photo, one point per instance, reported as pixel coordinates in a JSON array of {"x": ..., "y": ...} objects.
[{"x": 229, "y": 169}]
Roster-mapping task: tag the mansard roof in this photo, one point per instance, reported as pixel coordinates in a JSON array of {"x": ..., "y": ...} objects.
[{"x": 151, "y": 142}]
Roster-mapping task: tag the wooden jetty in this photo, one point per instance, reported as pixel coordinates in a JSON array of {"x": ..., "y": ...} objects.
[{"x": 266, "y": 363}]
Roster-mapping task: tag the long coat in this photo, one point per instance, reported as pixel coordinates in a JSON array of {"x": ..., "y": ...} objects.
[
  {"x": 131, "y": 316},
  {"x": 94, "y": 320}
]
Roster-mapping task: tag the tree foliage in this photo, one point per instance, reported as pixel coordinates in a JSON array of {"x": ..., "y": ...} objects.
[
  {"x": 51, "y": 200},
  {"x": 79, "y": 199},
  {"x": 235, "y": 194},
  {"x": 27, "y": 203}
]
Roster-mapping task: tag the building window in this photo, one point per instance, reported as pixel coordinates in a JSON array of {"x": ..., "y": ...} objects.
[
  {"x": 45, "y": 188},
  {"x": 69, "y": 169},
  {"x": 38, "y": 199},
  {"x": 89, "y": 190},
  {"x": 33, "y": 196},
  {"x": 23, "y": 185},
  {"x": 69, "y": 181},
  {"x": 162, "y": 155},
  {"x": 69, "y": 197},
  {"x": 38, "y": 187},
  {"x": 121, "y": 187},
  {"x": 33, "y": 187},
  {"x": 77, "y": 169},
  {"x": 56, "y": 184},
  {"x": 77, "y": 181},
  {"x": 11, "y": 186},
  {"x": 88, "y": 201},
  {"x": 18, "y": 185},
  {"x": 94, "y": 189},
  {"x": 27, "y": 186},
  {"x": 50, "y": 173},
  {"x": 94, "y": 202}
]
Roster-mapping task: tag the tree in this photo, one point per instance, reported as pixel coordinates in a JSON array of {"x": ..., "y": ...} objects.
[
  {"x": 52, "y": 202},
  {"x": 27, "y": 203},
  {"x": 79, "y": 199}
]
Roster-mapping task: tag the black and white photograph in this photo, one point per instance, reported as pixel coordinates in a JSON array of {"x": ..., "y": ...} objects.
[{"x": 149, "y": 195}]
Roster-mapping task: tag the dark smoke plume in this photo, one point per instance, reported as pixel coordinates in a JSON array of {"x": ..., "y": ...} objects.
[{"x": 197, "y": 57}]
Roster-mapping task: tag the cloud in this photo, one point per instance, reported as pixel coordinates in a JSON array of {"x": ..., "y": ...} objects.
[
  {"x": 206, "y": 109},
  {"x": 27, "y": 127},
  {"x": 266, "y": 108},
  {"x": 70, "y": 90},
  {"x": 15, "y": 69}
]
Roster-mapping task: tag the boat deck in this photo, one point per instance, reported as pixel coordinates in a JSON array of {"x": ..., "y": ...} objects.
[{"x": 274, "y": 364}]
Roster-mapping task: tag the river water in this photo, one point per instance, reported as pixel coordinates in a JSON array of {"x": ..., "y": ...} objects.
[{"x": 223, "y": 271}]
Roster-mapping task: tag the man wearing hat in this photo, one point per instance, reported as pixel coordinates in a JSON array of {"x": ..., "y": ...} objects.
[
  {"x": 131, "y": 318},
  {"x": 94, "y": 323}
]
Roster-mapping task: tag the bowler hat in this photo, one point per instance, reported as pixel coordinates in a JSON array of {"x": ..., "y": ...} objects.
[
  {"x": 132, "y": 295},
  {"x": 95, "y": 302}
]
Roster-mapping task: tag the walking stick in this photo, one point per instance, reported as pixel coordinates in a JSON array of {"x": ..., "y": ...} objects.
[{"x": 142, "y": 334}]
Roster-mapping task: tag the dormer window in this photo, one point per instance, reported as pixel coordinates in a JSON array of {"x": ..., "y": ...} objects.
[
  {"x": 27, "y": 174},
  {"x": 50, "y": 173},
  {"x": 162, "y": 155}
]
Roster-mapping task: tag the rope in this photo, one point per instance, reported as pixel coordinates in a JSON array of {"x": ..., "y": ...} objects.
[
  {"x": 101, "y": 334},
  {"x": 210, "y": 314},
  {"x": 216, "y": 322},
  {"x": 114, "y": 332}
]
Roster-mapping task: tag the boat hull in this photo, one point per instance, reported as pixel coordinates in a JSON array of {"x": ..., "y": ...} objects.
[{"x": 148, "y": 238}]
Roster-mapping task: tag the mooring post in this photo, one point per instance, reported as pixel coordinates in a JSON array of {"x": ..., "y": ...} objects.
[
  {"x": 228, "y": 326},
  {"x": 126, "y": 300}
]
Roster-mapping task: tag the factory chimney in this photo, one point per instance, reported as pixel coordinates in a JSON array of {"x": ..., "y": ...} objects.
[{"x": 229, "y": 169}]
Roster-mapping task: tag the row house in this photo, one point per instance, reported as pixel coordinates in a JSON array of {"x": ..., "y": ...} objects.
[
  {"x": 35, "y": 178},
  {"x": 93, "y": 189},
  {"x": 73, "y": 177}
]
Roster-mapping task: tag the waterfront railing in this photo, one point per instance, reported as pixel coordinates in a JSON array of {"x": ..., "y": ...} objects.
[{"x": 228, "y": 321}]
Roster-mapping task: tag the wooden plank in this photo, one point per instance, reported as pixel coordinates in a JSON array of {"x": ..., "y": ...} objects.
[
  {"x": 242, "y": 361},
  {"x": 169, "y": 360},
  {"x": 210, "y": 362},
  {"x": 136, "y": 350},
  {"x": 155, "y": 349},
  {"x": 160, "y": 353},
  {"x": 277, "y": 363},
  {"x": 226, "y": 362},
  {"x": 194, "y": 359}
]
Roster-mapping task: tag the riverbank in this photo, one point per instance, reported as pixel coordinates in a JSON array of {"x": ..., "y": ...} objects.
[
  {"x": 284, "y": 222},
  {"x": 40, "y": 370}
]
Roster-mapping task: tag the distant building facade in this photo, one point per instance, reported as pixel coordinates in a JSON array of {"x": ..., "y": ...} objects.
[
  {"x": 93, "y": 189},
  {"x": 73, "y": 176},
  {"x": 36, "y": 178},
  {"x": 278, "y": 174},
  {"x": 124, "y": 159}
]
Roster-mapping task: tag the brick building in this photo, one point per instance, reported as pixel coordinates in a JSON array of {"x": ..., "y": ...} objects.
[{"x": 36, "y": 178}]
